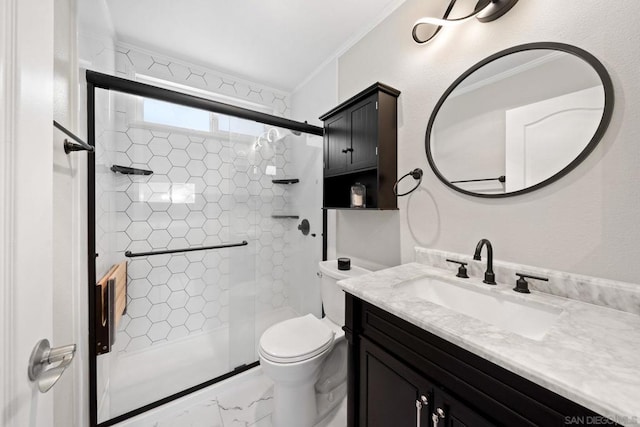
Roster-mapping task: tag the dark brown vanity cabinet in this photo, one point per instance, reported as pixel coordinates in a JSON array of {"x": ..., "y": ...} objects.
[
  {"x": 395, "y": 395},
  {"x": 401, "y": 375},
  {"x": 360, "y": 145}
]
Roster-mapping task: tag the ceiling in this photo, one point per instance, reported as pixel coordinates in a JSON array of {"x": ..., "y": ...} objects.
[{"x": 278, "y": 43}]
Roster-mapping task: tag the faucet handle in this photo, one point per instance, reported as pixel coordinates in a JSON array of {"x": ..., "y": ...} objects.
[
  {"x": 522, "y": 285},
  {"x": 462, "y": 270}
]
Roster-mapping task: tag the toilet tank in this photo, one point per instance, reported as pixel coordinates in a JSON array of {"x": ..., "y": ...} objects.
[{"x": 332, "y": 295}]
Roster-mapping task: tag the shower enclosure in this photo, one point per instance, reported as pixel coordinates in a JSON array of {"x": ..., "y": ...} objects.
[{"x": 195, "y": 242}]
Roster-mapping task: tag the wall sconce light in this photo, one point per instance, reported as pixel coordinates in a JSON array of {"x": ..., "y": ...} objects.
[{"x": 485, "y": 11}]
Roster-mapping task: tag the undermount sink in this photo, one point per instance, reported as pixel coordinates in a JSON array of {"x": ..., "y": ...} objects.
[{"x": 528, "y": 319}]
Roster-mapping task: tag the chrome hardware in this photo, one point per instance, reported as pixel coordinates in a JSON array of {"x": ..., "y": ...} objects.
[
  {"x": 423, "y": 401},
  {"x": 46, "y": 364},
  {"x": 436, "y": 416}
]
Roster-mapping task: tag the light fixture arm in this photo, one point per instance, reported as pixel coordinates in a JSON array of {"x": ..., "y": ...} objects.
[
  {"x": 414, "y": 32},
  {"x": 485, "y": 11}
]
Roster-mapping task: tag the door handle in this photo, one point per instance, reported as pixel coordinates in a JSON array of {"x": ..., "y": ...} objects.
[
  {"x": 46, "y": 364},
  {"x": 347, "y": 150}
]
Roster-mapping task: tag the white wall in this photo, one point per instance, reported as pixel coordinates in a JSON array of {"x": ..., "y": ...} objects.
[
  {"x": 586, "y": 222},
  {"x": 317, "y": 95},
  {"x": 69, "y": 294}
]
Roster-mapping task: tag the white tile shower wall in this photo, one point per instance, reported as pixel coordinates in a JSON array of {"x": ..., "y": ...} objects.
[
  {"x": 132, "y": 60},
  {"x": 227, "y": 197}
]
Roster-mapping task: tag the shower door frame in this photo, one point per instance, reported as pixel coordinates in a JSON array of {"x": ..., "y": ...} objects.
[{"x": 96, "y": 80}]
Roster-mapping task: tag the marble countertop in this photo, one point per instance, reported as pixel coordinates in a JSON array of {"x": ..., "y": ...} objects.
[{"x": 591, "y": 354}]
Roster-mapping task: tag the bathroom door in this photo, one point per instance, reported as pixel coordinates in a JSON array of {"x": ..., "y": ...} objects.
[
  {"x": 543, "y": 137},
  {"x": 26, "y": 113}
]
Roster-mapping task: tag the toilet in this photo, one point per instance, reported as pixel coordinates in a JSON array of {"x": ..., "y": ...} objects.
[{"x": 306, "y": 357}]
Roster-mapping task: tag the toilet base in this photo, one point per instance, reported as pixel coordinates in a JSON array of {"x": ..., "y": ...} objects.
[
  {"x": 302, "y": 406},
  {"x": 327, "y": 402},
  {"x": 294, "y": 406}
]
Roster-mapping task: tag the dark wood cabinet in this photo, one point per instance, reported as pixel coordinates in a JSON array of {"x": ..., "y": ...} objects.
[
  {"x": 402, "y": 375},
  {"x": 394, "y": 394},
  {"x": 336, "y": 144},
  {"x": 360, "y": 145}
]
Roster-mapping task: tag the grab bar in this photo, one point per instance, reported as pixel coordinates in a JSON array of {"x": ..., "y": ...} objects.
[
  {"x": 501, "y": 178},
  {"x": 69, "y": 146},
  {"x": 129, "y": 254}
]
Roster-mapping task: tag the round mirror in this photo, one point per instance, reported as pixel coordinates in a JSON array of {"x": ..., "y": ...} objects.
[{"x": 519, "y": 119}]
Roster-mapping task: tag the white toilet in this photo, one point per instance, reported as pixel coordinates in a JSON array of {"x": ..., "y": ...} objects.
[{"x": 306, "y": 357}]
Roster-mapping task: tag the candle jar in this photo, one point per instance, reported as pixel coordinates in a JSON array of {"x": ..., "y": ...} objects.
[{"x": 358, "y": 195}]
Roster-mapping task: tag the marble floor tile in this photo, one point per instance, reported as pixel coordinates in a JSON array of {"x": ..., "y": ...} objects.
[
  {"x": 242, "y": 401},
  {"x": 246, "y": 403},
  {"x": 205, "y": 414}
]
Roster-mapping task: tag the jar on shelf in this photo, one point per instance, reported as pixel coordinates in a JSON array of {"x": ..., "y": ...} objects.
[{"x": 358, "y": 195}]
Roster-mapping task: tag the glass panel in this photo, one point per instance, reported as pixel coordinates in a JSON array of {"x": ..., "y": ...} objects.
[{"x": 194, "y": 316}]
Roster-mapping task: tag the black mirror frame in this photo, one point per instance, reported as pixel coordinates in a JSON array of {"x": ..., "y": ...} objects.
[{"x": 597, "y": 136}]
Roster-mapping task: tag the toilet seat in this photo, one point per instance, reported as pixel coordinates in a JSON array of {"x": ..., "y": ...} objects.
[{"x": 296, "y": 339}]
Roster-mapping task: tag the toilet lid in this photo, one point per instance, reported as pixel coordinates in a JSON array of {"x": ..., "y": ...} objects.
[{"x": 296, "y": 339}]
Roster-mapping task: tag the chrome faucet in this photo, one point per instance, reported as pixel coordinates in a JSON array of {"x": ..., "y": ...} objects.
[{"x": 489, "y": 276}]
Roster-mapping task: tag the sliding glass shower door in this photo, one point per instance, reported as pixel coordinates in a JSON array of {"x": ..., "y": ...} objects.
[{"x": 202, "y": 210}]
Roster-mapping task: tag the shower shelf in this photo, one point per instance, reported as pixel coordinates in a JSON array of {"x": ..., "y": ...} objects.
[
  {"x": 126, "y": 170},
  {"x": 286, "y": 181},
  {"x": 285, "y": 216}
]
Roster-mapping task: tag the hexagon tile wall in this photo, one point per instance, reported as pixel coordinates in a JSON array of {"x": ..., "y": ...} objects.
[{"x": 205, "y": 190}]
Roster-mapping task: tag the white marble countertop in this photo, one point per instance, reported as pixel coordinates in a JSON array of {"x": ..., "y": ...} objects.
[{"x": 591, "y": 354}]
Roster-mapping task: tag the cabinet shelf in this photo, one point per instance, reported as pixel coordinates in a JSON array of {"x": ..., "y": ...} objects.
[{"x": 360, "y": 146}]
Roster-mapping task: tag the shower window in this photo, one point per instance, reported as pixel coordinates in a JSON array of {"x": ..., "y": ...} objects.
[
  {"x": 168, "y": 114},
  {"x": 195, "y": 309}
]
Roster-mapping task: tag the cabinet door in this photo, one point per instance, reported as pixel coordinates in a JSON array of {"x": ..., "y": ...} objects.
[
  {"x": 336, "y": 143},
  {"x": 363, "y": 119},
  {"x": 450, "y": 412},
  {"x": 391, "y": 394}
]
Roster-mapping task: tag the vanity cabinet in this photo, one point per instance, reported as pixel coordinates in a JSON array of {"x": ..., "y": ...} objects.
[
  {"x": 394, "y": 394},
  {"x": 360, "y": 145},
  {"x": 402, "y": 375}
]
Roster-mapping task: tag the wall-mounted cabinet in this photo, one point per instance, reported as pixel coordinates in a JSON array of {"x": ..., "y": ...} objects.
[{"x": 360, "y": 146}]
